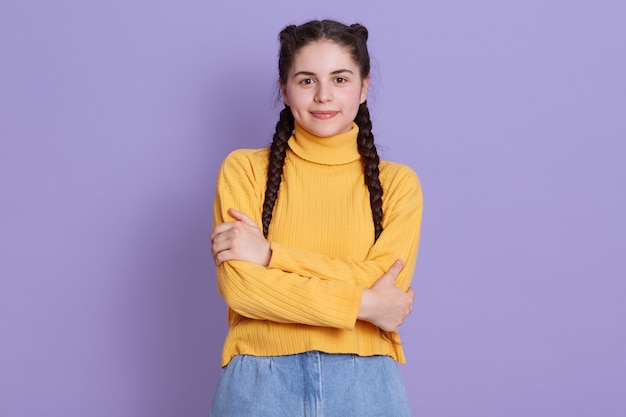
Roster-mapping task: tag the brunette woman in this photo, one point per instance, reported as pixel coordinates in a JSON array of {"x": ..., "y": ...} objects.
[{"x": 308, "y": 239}]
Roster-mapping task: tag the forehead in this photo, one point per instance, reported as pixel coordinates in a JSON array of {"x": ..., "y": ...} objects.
[{"x": 323, "y": 57}]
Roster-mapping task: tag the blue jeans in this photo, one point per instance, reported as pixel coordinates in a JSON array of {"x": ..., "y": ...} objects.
[{"x": 310, "y": 384}]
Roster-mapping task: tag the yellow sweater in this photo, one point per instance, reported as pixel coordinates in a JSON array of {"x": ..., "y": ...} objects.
[{"x": 323, "y": 250}]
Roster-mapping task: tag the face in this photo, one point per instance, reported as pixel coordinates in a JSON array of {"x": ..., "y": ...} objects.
[{"x": 324, "y": 89}]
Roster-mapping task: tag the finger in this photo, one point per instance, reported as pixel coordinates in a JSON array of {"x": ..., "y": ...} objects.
[
  {"x": 223, "y": 256},
  {"x": 223, "y": 252},
  {"x": 411, "y": 293},
  {"x": 221, "y": 228},
  {"x": 395, "y": 269},
  {"x": 241, "y": 217},
  {"x": 214, "y": 253},
  {"x": 216, "y": 260},
  {"x": 220, "y": 243},
  {"x": 217, "y": 249},
  {"x": 389, "y": 277},
  {"x": 221, "y": 237}
]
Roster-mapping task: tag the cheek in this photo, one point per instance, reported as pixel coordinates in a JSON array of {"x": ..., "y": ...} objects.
[
  {"x": 353, "y": 98},
  {"x": 295, "y": 98}
]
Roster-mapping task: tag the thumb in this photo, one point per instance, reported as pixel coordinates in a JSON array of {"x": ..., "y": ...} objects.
[
  {"x": 237, "y": 215},
  {"x": 395, "y": 269},
  {"x": 392, "y": 273}
]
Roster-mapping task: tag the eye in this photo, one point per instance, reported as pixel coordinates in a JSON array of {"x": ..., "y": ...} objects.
[
  {"x": 306, "y": 81},
  {"x": 341, "y": 80}
]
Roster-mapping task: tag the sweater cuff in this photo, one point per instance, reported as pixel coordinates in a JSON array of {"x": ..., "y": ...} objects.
[
  {"x": 356, "y": 305},
  {"x": 278, "y": 259}
]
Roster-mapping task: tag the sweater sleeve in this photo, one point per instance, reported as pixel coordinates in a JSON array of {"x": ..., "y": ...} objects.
[
  {"x": 273, "y": 294},
  {"x": 402, "y": 210}
]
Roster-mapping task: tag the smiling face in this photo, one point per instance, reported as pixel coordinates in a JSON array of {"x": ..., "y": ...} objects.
[{"x": 324, "y": 88}]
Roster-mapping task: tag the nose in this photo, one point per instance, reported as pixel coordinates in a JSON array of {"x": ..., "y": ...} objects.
[{"x": 323, "y": 93}]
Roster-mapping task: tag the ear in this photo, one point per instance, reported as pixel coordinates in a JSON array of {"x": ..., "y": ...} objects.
[
  {"x": 364, "y": 86},
  {"x": 283, "y": 90}
]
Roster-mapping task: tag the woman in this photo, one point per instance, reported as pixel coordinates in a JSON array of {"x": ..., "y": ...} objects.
[{"x": 305, "y": 238}]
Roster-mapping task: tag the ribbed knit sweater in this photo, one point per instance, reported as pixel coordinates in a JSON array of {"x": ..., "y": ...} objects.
[{"x": 323, "y": 250}]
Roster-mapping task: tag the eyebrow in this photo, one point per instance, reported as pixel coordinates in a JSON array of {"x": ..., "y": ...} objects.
[{"x": 308, "y": 73}]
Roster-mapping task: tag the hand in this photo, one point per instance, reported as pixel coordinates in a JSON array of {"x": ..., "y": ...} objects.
[
  {"x": 240, "y": 240},
  {"x": 385, "y": 305}
]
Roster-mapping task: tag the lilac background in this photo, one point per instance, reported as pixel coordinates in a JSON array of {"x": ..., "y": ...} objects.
[{"x": 114, "y": 116}]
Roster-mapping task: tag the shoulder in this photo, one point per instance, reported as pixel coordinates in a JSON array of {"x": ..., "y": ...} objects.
[
  {"x": 249, "y": 164},
  {"x": 396, "y": 174},
  {"x": 401, "y": 185},
  {"x": 246, "y": 160},
  {"x": 246, "y": 157}
]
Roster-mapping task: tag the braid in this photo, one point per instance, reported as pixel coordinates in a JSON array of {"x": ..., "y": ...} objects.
[
  {"x": 369, "y": 156},
  {"x": 278, "y": 151}
]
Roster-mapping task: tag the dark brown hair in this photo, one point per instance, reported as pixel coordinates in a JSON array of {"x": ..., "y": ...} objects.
[{"x": 354, "y": 39}]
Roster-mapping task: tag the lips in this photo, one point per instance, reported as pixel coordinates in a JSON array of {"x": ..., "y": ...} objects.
[{"x": 324, "y": 114}]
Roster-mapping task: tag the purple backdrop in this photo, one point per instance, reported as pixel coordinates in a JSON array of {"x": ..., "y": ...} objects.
[{"x": 114, "y": 117}]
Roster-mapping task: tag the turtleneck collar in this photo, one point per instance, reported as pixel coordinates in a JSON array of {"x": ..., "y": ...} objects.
[{"x": 334, "y": 150}]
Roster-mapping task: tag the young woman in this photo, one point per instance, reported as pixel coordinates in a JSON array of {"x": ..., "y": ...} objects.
[{"x": 308, "y": 240}]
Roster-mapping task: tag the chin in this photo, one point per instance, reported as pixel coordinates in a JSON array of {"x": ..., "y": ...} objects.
[{"x": 328, "y": 131}]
